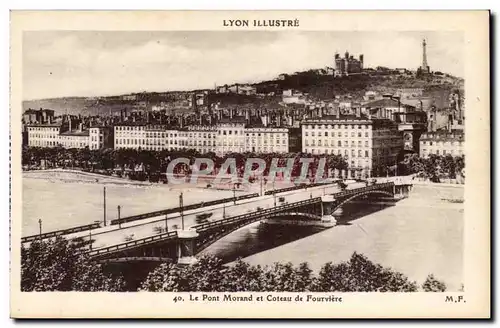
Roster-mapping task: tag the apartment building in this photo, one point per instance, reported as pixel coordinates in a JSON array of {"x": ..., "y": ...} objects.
[
  {"x": 442, "y": 143},
  {"x": 74, "y": 139},
  {"x": 266, "y": 140},
  {"x": 368, "y": 145},
  {"x": 43, "y": 135},
  {"x": 202, "y": 138},
  {"x": 100, "y": 137},
  {"x": 230, "y": 136},
  {"x": 143, "y": 136}
]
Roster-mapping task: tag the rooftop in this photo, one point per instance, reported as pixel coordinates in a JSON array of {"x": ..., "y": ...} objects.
[
  {"x": 387, "y": 102},
  {"x": 76, "y": 133}
]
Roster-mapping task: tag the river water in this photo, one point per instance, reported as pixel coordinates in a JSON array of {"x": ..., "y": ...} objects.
[{"x": 417, "y": 236}]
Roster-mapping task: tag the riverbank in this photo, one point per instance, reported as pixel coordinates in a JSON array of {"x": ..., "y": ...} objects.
[
  {"x": 422, "y": 234},
  {"x": 201, "y": 182}
]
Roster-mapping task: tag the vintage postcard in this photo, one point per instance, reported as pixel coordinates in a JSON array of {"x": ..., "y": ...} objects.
[{"x": 250, "y": 164}]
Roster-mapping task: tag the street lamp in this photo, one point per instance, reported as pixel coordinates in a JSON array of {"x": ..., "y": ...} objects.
[
  {"x": 90, "y": 234},
  {"x": 234, "y": 193},
  {"x": 40, "y": 227},
  {"x": 104, "y": 205},
  {"x": 119, "y": 222},
  {"x": 181, "y": 206},
  {"x": 274, "y": 194}
]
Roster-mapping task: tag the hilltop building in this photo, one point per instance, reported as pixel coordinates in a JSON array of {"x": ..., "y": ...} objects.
[{"x": 347, "y": 65}]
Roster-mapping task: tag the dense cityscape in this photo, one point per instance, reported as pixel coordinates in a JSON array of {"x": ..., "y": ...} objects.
[{"x": 371, "y": 131}]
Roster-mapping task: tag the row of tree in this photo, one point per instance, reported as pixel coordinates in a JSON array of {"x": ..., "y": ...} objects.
[
  {"x": 153, "y": 163},
  {"x": 144, "y": 164},
  {"x": 209, "y": 274},
  {"x": 434, "y": 167},
  {"x": 58, "y": 265}
]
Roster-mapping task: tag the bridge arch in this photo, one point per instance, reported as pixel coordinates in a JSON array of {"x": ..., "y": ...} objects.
[{"x": 371, "y": 192}]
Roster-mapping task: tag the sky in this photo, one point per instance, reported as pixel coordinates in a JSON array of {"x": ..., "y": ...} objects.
[{"x": 95, "y": 63}]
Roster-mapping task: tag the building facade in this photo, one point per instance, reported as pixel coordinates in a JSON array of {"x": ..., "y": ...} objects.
[
  {"x": 100, "y": 137},
  {"x": 442, "y": 143},
  {"x": 230, "y": 137},
  {"x": 266, "y": 140},
  {"x": 74, "y": 139},
  {"x": 202, "y": 138},
  {"x": 43, "y": 135},
  {"x": 368, "y": 145}
]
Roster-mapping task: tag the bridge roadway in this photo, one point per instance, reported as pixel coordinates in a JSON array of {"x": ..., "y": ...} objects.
[{"x": 112, "y": 235}]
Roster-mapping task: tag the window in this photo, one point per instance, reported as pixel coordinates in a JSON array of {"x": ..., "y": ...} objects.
[
  {"x": 340, "y": 143},
  {"x": 359, "y": 134},
  {"x": 359, "y": 153},
  {"x": 366, "y": 153},
  {"x": 326, "y": 133}
]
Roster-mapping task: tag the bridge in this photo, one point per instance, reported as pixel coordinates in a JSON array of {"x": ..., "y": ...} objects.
[{"x": 154, "y": 240}]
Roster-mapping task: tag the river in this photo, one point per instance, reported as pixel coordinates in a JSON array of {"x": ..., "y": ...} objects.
[{"x": 419, "y": 235}]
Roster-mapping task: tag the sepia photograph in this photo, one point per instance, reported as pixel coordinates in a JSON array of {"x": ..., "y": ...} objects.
[{"x": 259, "y": 163}]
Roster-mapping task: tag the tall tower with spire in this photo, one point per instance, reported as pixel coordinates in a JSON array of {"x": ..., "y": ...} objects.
[{"x": 425, "y": 67}]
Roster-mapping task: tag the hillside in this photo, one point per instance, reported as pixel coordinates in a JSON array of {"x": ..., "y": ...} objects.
[{"x": 319, "y": 86}]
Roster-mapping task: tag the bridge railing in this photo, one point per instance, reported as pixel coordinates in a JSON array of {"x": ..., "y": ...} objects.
[
  {"x": 276, "y": 191},
  {"x": 208, "y": 225},
  {"x": 178, "y": 209},
  {"x": 363, "y": 189},
  {"x": 60, "y": 232},
  {"x": 133, "y": 244},
  {"x": 259, "y": 213}
]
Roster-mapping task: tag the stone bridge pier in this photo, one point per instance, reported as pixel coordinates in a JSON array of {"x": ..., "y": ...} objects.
[
  {"x": 327, "y": 206},
  {"x": 186, "y": 246}
]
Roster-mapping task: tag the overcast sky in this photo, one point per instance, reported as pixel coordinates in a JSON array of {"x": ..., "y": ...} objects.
[{"x": 57, "y": 64}]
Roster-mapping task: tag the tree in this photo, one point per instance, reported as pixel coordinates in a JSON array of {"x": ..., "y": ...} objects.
[
  {"x": 58, "y": 265},
  {"x": 431, "y": 284},
  {"x": 208, "y": 274},
  {"x": 361, "y": 275}
]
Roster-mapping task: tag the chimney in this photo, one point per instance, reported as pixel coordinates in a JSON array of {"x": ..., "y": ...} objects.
[
  {"x": 358, "y": 112},
  {"x": 230, "y": 113},
  {"x": 80, "y": 127},
  {"x": 337, "y": 113}
]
